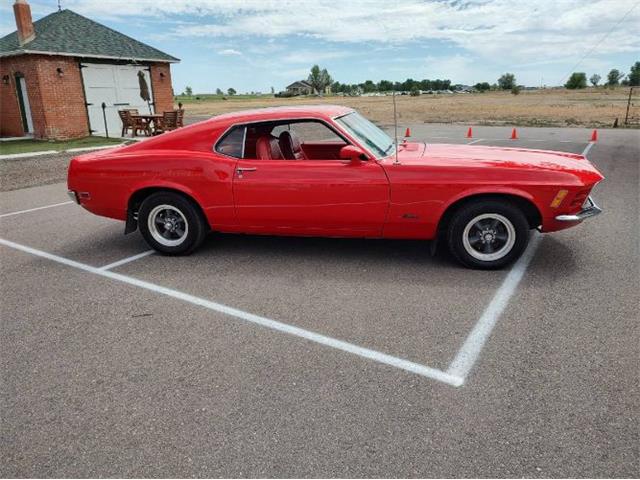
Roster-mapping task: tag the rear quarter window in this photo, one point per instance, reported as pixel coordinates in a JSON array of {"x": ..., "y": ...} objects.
[{"x": 232, "y": 143}]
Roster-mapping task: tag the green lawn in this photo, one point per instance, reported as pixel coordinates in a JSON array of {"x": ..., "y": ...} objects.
[{"x": 25, "y": 146}]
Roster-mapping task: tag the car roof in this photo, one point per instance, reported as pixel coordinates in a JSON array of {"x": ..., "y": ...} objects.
[{"x": 278, "y": 113}]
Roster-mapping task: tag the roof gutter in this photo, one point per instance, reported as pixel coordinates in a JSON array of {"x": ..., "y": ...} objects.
[{"x": 86, "y": 55}]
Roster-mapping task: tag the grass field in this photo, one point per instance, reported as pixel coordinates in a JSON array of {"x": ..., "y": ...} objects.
[{"x": 552, "y": 107}]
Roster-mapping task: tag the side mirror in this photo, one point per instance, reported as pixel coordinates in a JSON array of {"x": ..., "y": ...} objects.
[{"x": 355, "y": 154}]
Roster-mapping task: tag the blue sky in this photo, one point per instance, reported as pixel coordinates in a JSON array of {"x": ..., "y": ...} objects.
[{"x": 252, "y": 45}]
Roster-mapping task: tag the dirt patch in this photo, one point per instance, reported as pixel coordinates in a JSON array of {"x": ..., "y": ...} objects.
[{"x": 553, "y": 107}]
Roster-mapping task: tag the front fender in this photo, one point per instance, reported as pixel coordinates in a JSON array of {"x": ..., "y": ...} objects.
[{"x": 489, "y": 190}]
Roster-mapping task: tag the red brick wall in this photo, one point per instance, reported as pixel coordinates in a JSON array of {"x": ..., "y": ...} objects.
[
  {"x": 57, "y": 103},
  {"x": 65, "y": 113},
  {"x": 161, "y": 85},
  {"x": 10, "y": 118}
]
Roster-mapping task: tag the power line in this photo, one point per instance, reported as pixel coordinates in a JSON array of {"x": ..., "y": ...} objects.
[{"x": 599, "y": 42}]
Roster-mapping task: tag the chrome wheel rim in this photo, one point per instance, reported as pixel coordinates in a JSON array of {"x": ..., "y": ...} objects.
[
  {"x": 489, "y": 237},
  {"x": 168, "y": 225}
]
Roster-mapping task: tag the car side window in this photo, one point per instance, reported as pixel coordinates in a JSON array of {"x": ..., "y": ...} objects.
[
  {"x": 309, "y": 132},
  {"x": 301, "y": 140},
  {"x": 232, "y": 144},
  {"x": 282, "y": 140}
]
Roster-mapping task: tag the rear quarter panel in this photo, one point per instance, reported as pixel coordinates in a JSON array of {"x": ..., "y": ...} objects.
[{"x": 111, "y": 180}]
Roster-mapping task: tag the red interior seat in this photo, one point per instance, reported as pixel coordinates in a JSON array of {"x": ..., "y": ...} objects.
[
  {"x": 267, "y": 148},
  {"x": 290, "y": 146}
]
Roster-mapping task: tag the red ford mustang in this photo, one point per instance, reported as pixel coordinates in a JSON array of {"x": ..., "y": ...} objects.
[{"x": 328, "y": 171}]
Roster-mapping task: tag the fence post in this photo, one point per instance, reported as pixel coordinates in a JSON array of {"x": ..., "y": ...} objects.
[{"x": 626, "y": 117}]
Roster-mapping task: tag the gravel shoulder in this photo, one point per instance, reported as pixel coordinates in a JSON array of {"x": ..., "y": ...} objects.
[{"x": 32, "y": 171}]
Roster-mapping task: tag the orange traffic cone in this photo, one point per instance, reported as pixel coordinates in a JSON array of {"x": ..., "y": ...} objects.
[
  {"x": 514, "y": 134},
  {"x": 594, "y": 136},
  {"x": 407, "y": 133},
  {"x": 469, "y": 133}
]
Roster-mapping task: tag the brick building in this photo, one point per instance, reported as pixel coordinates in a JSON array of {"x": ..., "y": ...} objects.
[{"x": 66, "y": 76}]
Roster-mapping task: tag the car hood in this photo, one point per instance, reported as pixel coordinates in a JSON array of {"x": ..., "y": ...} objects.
[{"x": 477, "y": 156}]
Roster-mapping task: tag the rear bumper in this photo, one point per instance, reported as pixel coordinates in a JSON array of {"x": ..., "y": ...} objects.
[
  {"x": 589, "y": 209},
  {"x": 73, "y": 196}
]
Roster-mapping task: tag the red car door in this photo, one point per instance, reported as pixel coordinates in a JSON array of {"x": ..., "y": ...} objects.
[{"x": 311, "y": 197}]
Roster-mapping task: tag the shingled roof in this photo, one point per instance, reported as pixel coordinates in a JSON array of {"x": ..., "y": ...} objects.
[{"x": 70, "y": 34}]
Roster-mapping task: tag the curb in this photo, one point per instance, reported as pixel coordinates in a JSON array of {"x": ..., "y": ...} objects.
[{"x": 53, "y": 152}]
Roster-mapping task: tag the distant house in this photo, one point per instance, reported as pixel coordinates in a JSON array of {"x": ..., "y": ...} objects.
[
  {"x": 58, "y": 72},
  {"x": 300, "y": 87}
]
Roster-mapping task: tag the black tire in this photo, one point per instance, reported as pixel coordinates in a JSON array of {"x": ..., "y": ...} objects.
[
  {"x": 496, "y": 232},
  {"x": 189, "y": 226}
]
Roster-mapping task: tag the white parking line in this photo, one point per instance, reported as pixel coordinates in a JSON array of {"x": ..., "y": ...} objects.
[
  {"x": 374, "y": 355},
  {"x": 35, "y": 209},
  {"x": 470, "y": 350},
  {"x": 475, "y": 141},
  {"x": 587, "y": 148},
  {"x": 126, "y": 260}
]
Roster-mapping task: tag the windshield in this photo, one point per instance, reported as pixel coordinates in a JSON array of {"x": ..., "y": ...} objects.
[{"x": 367, "y": 133}]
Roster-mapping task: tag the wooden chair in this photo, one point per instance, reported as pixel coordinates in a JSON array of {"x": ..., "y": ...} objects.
[
  {"x": 127, "y": 121},
  {"x": 135, "y": 124},
  {"x": 168, "y": 122}
]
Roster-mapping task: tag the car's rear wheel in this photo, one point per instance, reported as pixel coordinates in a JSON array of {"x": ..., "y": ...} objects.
[
  {"x": 171, "y": 223},
  {"x": 488, "y": 234}
]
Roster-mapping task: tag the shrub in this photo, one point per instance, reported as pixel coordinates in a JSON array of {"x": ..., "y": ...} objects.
[
  {"x": 507, "y": 81},
  {"x": 576, "y": 80}
]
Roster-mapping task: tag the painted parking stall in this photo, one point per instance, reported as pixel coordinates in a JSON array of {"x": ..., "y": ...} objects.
[
  {"x": 455, "y": 374},
  {"x": 287, "y": 356}
]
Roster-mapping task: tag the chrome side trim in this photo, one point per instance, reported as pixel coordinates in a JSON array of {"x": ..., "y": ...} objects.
[{"x": 590, "y": 209}]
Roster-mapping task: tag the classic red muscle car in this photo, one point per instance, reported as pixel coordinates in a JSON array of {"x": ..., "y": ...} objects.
[{"x": 328, "y": 171}]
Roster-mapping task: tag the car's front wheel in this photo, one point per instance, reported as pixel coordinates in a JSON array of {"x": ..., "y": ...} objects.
[
  {"x": 171, "y": 224},
  {"x": 488, "y": 234}
]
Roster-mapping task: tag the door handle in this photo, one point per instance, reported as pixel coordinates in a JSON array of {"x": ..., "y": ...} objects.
[{"x": 241, "y": 170}]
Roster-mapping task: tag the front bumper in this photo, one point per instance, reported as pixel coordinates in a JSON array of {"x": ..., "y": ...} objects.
[{"x": 589, "y": 209}]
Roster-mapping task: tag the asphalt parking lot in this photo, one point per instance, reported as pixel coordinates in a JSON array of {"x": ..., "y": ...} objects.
[{"x": 298, "y": 357}]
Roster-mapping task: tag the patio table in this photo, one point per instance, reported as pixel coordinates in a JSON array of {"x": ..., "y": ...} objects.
[{"x": 149, "y": 119}]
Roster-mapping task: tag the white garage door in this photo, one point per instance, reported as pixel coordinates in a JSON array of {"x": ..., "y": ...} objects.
[{"x": 118, "y": 87}]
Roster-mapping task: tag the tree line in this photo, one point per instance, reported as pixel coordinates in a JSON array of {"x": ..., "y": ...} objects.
[
  {"x": 614, "y": 78},
  {"x": 321, "y": 82},
  {"x": 409, "y": 85}
]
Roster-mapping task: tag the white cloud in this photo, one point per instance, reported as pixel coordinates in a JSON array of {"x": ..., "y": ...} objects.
[
  {"x": 511, "y": 29},
  {"x": 505, "y": 32},
  {"x": 472, "y": 40},
  {"x": 309, "y": 56},
  {"x": 229, "y": 51}
]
